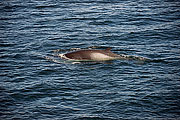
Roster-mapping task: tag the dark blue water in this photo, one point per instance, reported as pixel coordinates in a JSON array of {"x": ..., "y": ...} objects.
[{"x": 33, "y": 87}]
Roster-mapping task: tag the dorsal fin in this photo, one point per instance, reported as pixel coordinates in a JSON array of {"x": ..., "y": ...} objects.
[{"x": 108, "y": 49}]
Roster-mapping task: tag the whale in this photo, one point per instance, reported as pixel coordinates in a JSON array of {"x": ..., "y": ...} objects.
[{"x": 96, "y": 55}]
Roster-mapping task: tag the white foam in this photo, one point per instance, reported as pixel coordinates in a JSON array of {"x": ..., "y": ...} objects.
[{"x": 63, "y": 56}]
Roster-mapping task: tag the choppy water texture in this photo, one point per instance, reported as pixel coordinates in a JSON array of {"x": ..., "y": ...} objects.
[{"x": 34, "y": 87}]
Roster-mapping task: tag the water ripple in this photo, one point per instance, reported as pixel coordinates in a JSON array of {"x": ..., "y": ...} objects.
[{"x": 36, "y": 84}]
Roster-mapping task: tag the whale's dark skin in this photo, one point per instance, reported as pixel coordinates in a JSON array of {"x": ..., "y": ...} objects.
[{"x": 88, "y": 54}]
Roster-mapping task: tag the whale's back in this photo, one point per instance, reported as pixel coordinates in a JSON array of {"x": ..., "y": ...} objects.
[
  {"x": 79, "y": 55},
  {"x": 97, "y": 55}
]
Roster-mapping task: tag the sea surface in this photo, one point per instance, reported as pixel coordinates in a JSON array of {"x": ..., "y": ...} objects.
[{"x": 35, "y": 84}]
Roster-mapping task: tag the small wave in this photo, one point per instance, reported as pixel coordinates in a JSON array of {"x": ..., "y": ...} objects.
[
  {"x": 94, "y": 117},
  {"x": 60, "y": 61},
  {"x": 46, "y": 6},
  {"x": 73, "y": 49}
]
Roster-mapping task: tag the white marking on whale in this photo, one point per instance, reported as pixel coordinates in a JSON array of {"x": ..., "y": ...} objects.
[{"x": 100, "y": 57}]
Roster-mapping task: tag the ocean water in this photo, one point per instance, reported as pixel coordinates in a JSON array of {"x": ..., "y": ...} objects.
[{"x": 37, "y": 85}]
